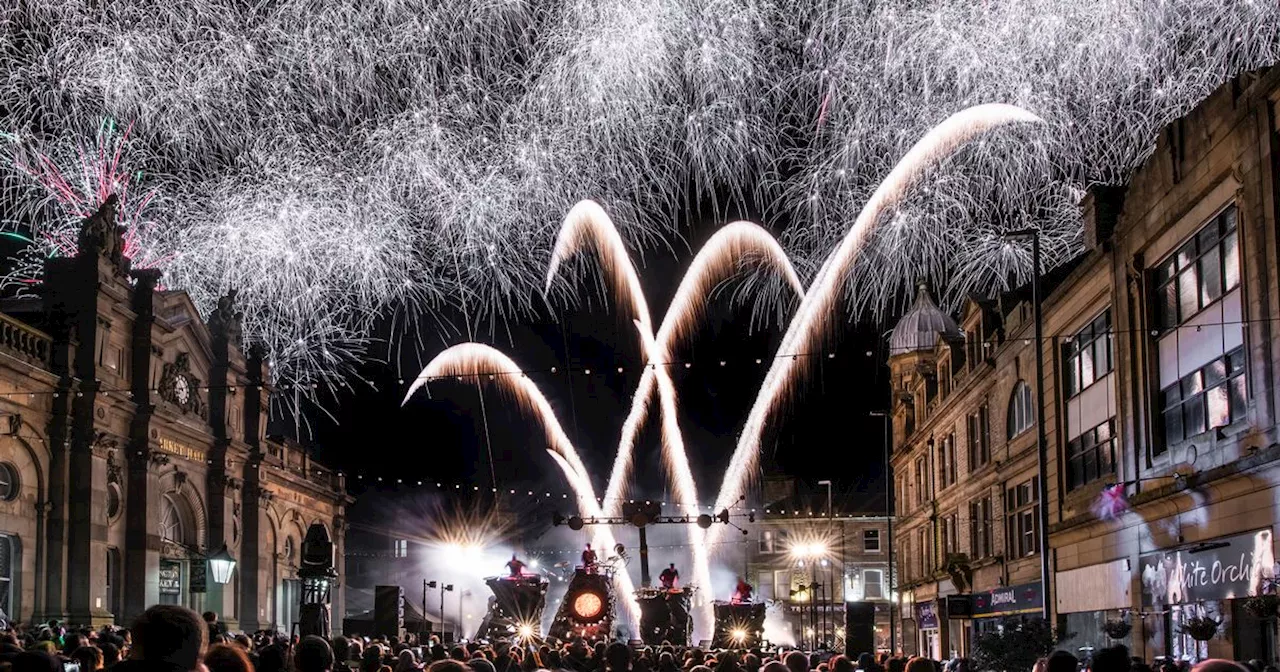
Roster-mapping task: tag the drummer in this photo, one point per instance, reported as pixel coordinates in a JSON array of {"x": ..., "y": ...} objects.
[{"x": 670, "y": 577}]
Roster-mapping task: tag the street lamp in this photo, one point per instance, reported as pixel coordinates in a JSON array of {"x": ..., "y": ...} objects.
[
  {"x": 888, "y": 526},
  {"x": 813, "y": 552},
  {"x": 221, "y": 564},
  {"x": 1042, "y": 444}
]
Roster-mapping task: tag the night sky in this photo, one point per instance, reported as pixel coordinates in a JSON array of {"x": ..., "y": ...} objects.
[{"x": 443, "y": 438}]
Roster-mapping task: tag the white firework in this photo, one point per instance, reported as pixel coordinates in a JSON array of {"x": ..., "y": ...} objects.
[{"x": 337, "y": 160}]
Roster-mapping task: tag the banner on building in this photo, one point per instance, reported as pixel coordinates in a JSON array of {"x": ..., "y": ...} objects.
[
  {"x": 1219, "y": 569},
  {"x": 1094, "y": 587},
  {"x": 927, "y": 615},
  {"x": 1021, "y": 599}
]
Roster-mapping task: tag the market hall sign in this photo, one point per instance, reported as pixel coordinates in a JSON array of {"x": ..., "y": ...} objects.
[
  {"x": 1022, "y": 599},
  {"x": 1219, "y": 569}
]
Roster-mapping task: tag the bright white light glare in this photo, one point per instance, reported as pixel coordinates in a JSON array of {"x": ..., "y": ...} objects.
[
  {"x": 533, "y": 564},
  {"x": 738, "y": 634},
  {"x": 525, "y": 631}
]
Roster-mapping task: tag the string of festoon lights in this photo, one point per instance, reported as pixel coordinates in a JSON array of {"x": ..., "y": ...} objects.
[
  {"x": 623, "y": 365},
  {"x": 544, "y": 496}
]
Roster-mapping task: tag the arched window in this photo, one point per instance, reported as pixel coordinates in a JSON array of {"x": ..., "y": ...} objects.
[
  {"x": 170, "y": 521},
  {"x": 1022, "y": 411}
]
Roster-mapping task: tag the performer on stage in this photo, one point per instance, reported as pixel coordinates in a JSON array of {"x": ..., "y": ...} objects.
[
  {"x": 589, "y": 560},
  {"x": 669, "y": 577},
  {"x": 742, "y": 594},
  {"x": 515, "y": 567}
]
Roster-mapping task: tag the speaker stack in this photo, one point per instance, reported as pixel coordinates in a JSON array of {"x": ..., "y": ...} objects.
[
  {"x": 388, "y": 611},
  {"x": 859, "y": 628}
]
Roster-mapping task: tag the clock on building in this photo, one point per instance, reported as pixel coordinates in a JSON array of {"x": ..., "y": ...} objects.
[
  {"x": 179, "y": 387},
  {"x": 182, "y": 390}
]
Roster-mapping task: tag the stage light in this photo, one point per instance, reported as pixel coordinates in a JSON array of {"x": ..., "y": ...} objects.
[
  {"x": 587, "y": 605},
  {"x": 525, "y": 631},
  {"x": 738, "y": 634},
  {"x": 533, "y": 564},
  {"x": 704, "y": 521},
  {"x": 575, "y": 523}
]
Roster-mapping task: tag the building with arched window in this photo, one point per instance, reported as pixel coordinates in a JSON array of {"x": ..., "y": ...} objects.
[
  {"x": 134, "y": 446},
  {"x": 1159, "y": 410}
]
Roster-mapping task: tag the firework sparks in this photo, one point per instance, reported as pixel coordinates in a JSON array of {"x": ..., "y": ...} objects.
[
  {"x": 434, "y": 166},
  {"x": 812, "y": 318}
]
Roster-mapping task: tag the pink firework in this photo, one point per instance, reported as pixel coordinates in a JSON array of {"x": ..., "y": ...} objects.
[
  {"x": 1111, "y": 502},
  {"x": 76, "y": 183}
]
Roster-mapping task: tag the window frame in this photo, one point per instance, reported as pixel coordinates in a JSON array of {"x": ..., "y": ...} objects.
[
  {"x": 981, "y": 528},
  {"x": 1022, "y": 520},
  {"x": 978, "y": 434},
  {"x": 1091, "y": 442},
  {"x": 879, "y": 582},
  {"x": 1087, "y": 340},
  {"x": 869, "y": 536},
  {"x": 1186, "y": 260},
  {"x": 947, "y": 462},
  {"x": 10, "y": 548},
  {"x": 1020, "y": 397},
  {"x": 767, "y": 543},
  {"x": 1235, "y": 366}
]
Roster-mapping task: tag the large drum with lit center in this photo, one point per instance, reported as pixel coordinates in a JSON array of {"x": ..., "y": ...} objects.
[{"x": 587, "y": 610}]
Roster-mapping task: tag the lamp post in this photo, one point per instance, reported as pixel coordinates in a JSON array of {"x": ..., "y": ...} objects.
[
  {"x": 888, "y": 526},
  {"x": 1042, "y": 444},
  {"x": 828, "y": 617},
  {"x": 443, "y": 587}
]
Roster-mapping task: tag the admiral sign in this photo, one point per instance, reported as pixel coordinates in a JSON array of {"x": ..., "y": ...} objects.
[
  {"x": 1221, "y": 569},
  {"x": 1022, "y": 599}
]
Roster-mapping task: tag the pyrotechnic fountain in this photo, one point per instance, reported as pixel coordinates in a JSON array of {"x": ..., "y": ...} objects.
[{"x": 588, "y": 225}]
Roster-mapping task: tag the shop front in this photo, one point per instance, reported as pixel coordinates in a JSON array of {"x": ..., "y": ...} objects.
[
  {"x": 1183, "y": 587},
  {"x": 927, "y": 623},
  {"x": 994, "y": 608},
  {"x": 1094, "y": 605}
]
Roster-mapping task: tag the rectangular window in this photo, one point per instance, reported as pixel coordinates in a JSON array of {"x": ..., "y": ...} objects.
[
  {"x": 1199, "y": 273},
  {"x": 871, "y": 541},
  {"x": 947, "y": 461},
  {"x": 872, "y": 584},
  {"x": 765, "y": 582},
  {"x": 1087, "y": 356},
  {"x": 980, "y": 528},
  {"x": 922, "y": 482},
  {"x": 767, "y": 541},
  {"x": 950, "y": 537},
  {"x": 6, "y": 574},
  {"x": 979, "y": 438},
  {"x": 922, "y": 553},
  {"x": 1213, "y": 396},
  {"x": 1022, "y": 522},
  {"x": 401, "y": 548},
  {"x": 1091, "y": 455}
]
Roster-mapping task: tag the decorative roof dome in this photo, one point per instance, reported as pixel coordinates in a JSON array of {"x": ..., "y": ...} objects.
[{"x": 921, "y": 326}]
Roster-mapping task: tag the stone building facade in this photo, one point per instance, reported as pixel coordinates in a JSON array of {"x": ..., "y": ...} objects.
[
  {"x": 136, "y": 447},
  {"x": 1160, "y": 414},
  {"x": 794, "y": 543}
]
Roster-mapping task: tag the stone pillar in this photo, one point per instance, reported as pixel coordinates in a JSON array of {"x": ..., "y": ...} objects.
[
  {"x": 249, "y": 563},
  {"x": 142, "y": 547}
]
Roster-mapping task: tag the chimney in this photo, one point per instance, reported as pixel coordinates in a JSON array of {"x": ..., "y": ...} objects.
[{"x": 1100, "y": 210}]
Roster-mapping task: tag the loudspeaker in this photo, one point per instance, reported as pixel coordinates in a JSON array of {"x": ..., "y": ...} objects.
[
  {"x": 859, "y": 628},
  {"x": 388, "y": 611},
  {"x": 959, "y": 606}
]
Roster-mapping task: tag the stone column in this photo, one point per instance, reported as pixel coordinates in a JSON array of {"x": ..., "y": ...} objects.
[
  {"x": 249, "y": 564},
  {"x": 142, "y": 547}
]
